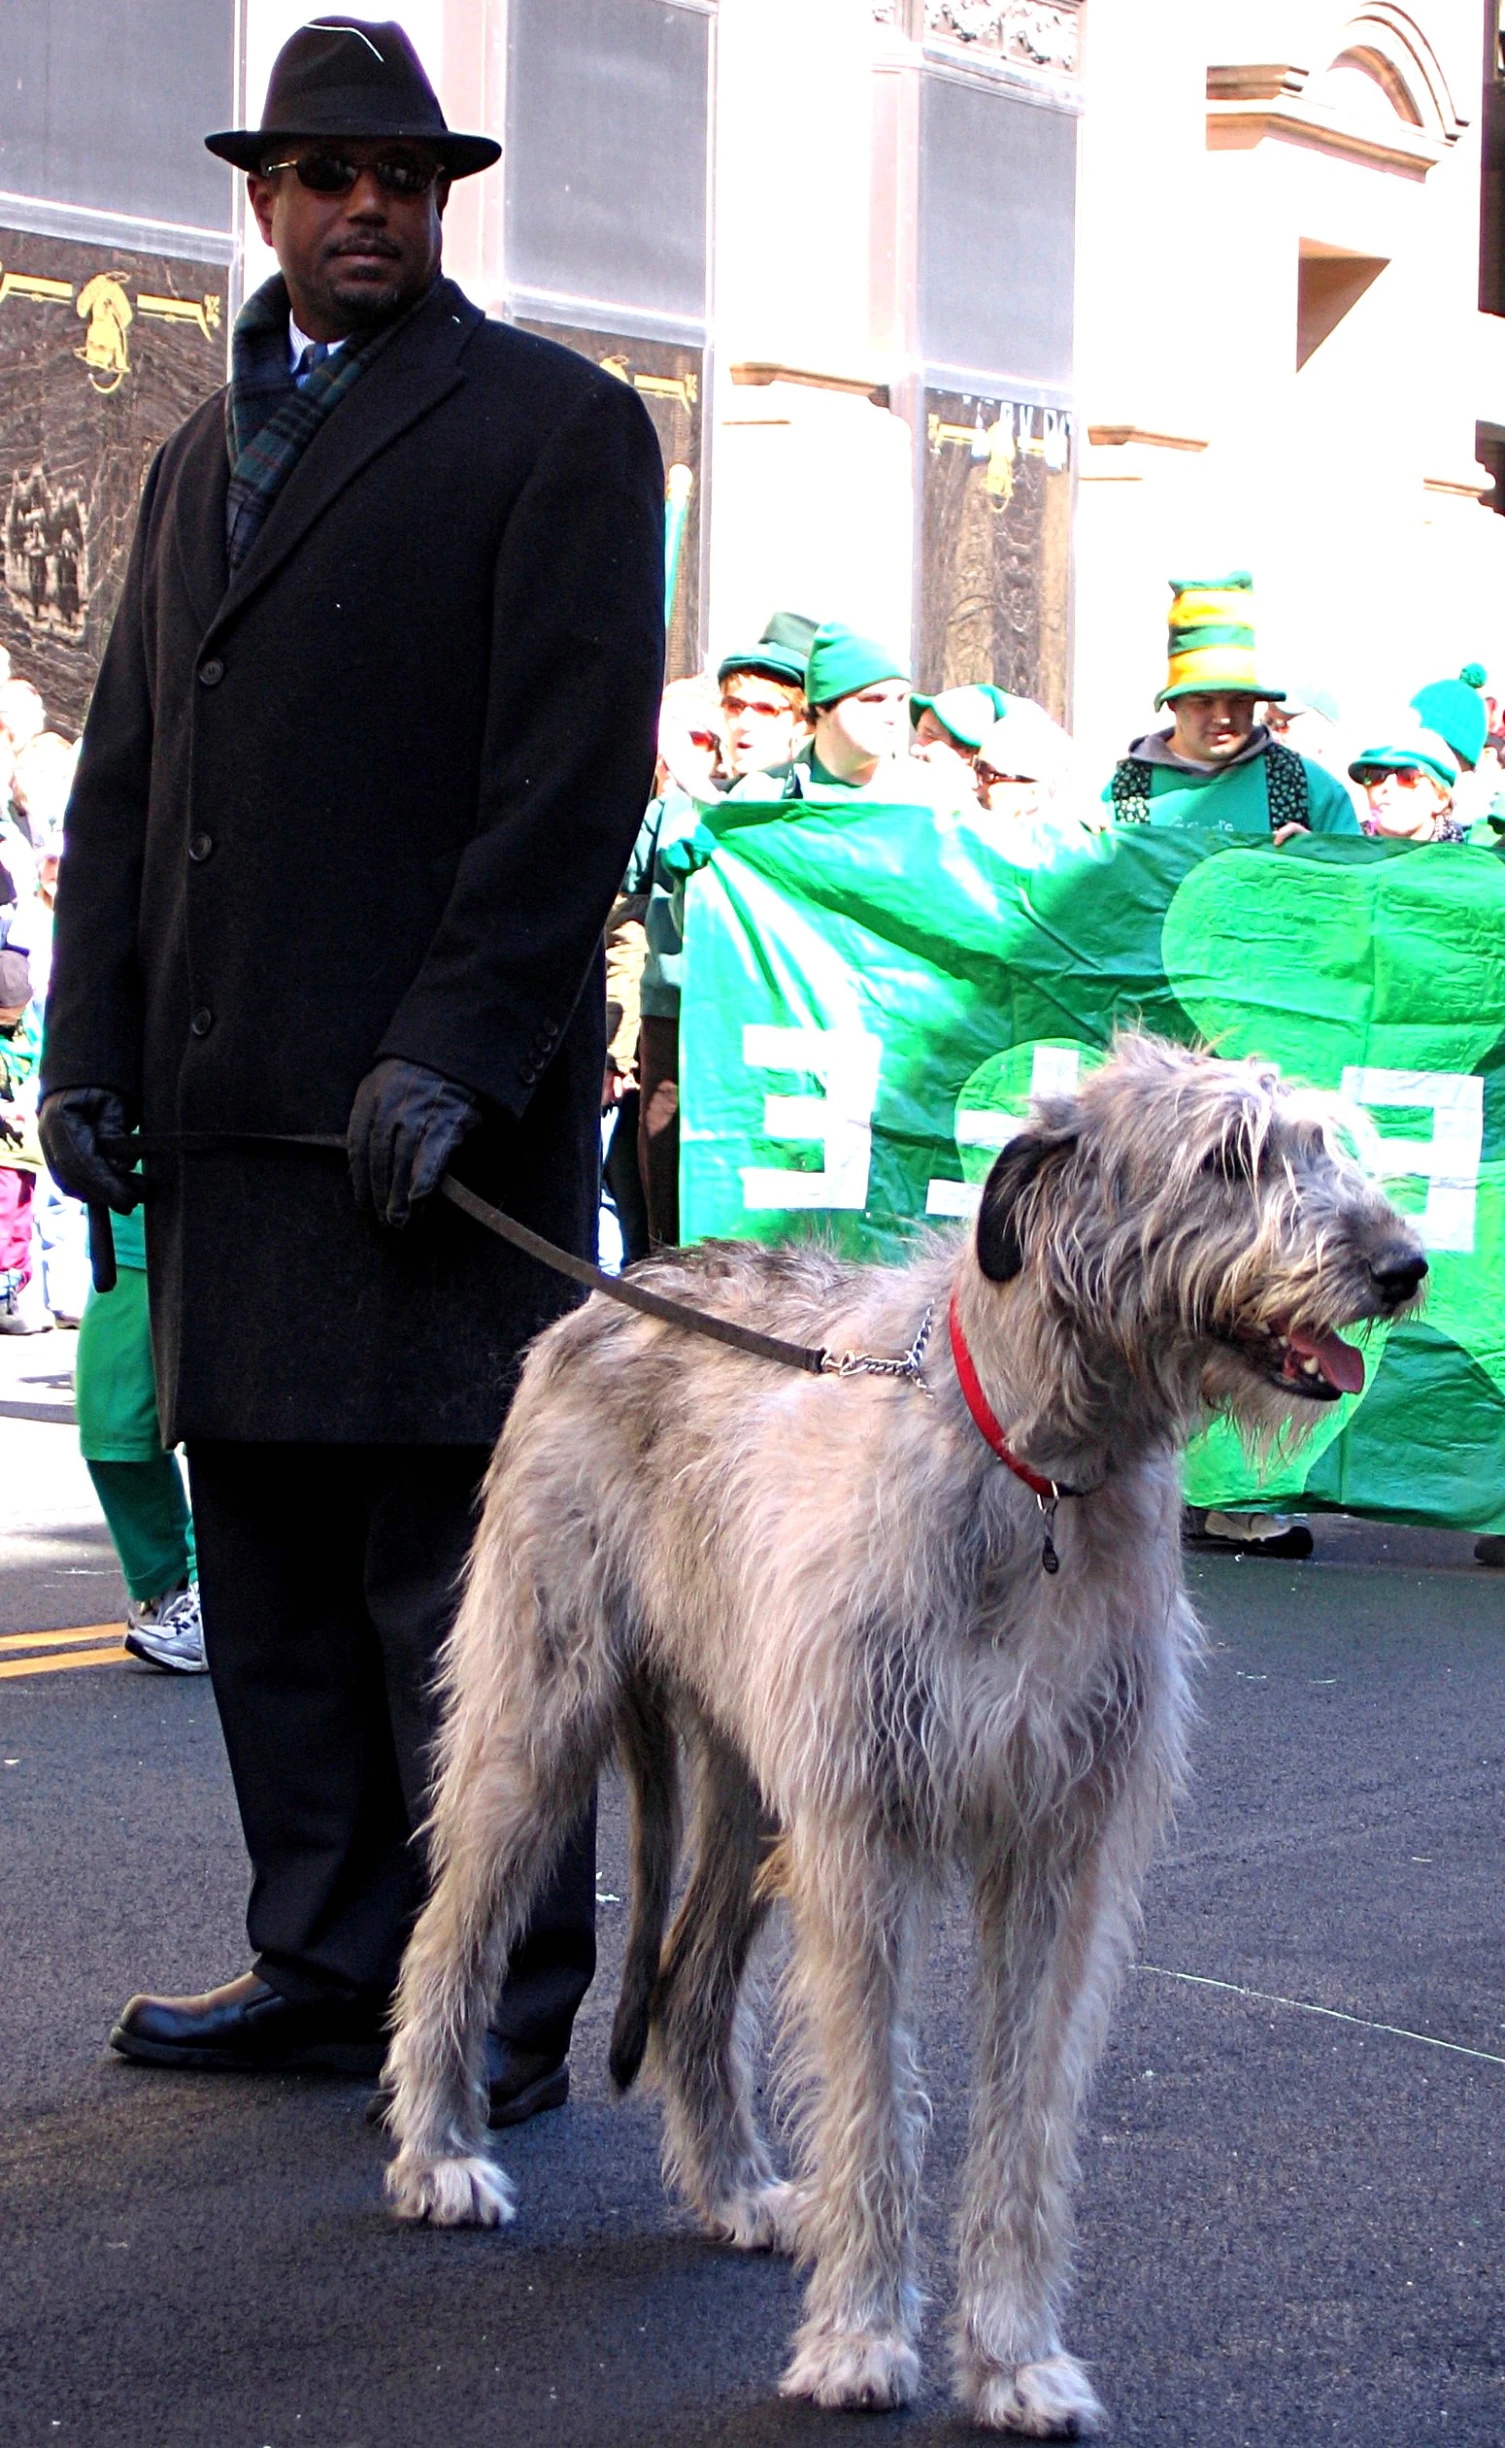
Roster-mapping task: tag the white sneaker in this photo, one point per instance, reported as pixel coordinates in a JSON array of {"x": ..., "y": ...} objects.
[
  {"x": 168, "y": 1631},
  {"x": 23, "y": 1310}
]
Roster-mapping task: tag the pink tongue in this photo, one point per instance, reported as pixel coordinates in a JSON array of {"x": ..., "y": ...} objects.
[{"x": 1340, "y": 1364}]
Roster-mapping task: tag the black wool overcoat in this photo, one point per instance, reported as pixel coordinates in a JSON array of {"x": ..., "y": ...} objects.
[{"x": 371, "y": 796}]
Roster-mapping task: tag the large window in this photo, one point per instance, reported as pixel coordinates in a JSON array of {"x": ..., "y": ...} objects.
[
  {"x": 607, "y": 118},
  {"x": 106, "y": 105},
  {"x": 997, "y": 229}
]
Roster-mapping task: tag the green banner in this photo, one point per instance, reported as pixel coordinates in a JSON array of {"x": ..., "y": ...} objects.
[{"x": 872, "y": 993}]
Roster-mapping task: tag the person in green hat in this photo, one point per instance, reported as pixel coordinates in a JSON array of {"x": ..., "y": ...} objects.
[
  {"x": 1458, "y": 710},
  {"x": 1408, "y": 782},
  {"x": 763, "y": 724},
  {"x": 1216, "y": 766},
  {"x": 858, "y": 694},
  {"x": 950, "y": 728}
]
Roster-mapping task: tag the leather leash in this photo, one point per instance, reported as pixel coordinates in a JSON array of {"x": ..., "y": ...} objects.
[{"x": 814, "y": 1361}]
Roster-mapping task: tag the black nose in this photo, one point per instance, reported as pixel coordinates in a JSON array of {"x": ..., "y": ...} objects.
[{"x": 1397, "y": 1273}]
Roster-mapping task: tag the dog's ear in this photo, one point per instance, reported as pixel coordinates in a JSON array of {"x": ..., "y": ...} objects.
[{"x": 1000, "y": 1253}]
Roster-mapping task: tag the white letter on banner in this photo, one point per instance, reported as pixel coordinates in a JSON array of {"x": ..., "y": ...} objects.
[
  {"x": 842, "y": 1120},
  {"x": 1053, "y": 1071},
  {"x": 1448, "y": 1162}
]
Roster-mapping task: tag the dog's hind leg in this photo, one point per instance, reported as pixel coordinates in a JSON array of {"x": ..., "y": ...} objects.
[
  {"x": 649, "y": 1752},
  {"x": 855, "y": 1916},
  {"x": 1052, "y": 1933},
  {"x": 531, "y": 1716},
  {"x": 703, "y": 2025}
]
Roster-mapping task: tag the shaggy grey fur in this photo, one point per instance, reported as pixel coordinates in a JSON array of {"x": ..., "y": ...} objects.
[{"x": 833, "y": 1590}]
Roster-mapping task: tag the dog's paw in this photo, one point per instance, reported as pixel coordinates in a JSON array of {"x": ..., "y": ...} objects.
[
  {"x": 1051, "y": 2399},
  {"x": 859, "y": 2371},
  {"x": 761, "y": 2218},
  {"x": 470, "y": 2192}
]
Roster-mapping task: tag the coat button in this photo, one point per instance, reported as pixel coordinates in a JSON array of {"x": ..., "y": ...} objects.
[
  {"x": 202, "y": 1022},
  {"x": 212, "y": 672},
  {"x": 200, "y": 847}
]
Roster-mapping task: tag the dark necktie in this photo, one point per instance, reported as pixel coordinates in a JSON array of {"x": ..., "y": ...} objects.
[{"x": 313, "y": 355}]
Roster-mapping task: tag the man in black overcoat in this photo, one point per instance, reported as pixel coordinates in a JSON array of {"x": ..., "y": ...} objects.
[{"x": 369, "y": 746}]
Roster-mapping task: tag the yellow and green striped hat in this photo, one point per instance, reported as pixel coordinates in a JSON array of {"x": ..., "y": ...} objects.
[{"x": 1212, "y": 638}]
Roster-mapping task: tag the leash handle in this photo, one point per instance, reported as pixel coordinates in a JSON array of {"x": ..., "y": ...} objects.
[{"x": 102, "y": 1248}]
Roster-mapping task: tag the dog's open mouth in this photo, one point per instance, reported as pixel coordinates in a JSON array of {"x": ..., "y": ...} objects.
[{"x": 1319, "y": 1367}]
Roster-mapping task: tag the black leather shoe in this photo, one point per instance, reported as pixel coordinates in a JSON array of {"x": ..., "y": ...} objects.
[
  {"x": 247, "y": 2027},
  {"x": 523, "y": 2082}
]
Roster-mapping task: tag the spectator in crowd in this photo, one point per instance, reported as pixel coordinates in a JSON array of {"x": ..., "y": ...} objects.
[
  {"x": 60, "y": 1281},
  {"x": 1408, "y": 783},
  {"x": 1306, "y": 720},
  {"x": 140, "y": 1488},
  {"x": 689, "y": 771},
  {"x": 761, "y": 717},
  {"x": 621, "y": 1103},
  {"x": 20, "y": 1157},
  {"x": 1216, "y": 765},
  {"x": 22, "y": 713},
  {"x": 1457, "y": 712},
  {"x": 949, "y": 728},
  {"x": 1025, "y": 773},
  {"x": 15, "y": 840},
  {"x": 765, "y": 720}
]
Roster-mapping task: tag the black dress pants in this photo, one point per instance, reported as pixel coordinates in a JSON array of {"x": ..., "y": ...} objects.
[{"x": 329, "y": 1576}]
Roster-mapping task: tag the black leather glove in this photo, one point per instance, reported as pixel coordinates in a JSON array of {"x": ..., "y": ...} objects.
[
  {"x": 405, "y": 1125},
  {"x": 71, "y": 1124}
]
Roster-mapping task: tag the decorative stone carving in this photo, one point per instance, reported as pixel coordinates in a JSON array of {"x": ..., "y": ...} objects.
[{"x": 1043, "y": 33}]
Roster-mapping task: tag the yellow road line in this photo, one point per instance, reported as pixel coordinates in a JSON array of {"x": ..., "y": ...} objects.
[
  {"x": 59, "y": 1640},
  {"x": 53, "y": 1660},
  {"x": 52, "y": 1652}
]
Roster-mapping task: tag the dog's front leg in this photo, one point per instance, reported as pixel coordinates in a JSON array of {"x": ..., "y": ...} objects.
[
  {"x": 854, "y": 1943},
  {"x": 1051, "y": 1931}
]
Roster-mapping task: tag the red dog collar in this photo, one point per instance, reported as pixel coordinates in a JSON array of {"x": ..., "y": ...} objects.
[{"x": 984, "y": 1418}]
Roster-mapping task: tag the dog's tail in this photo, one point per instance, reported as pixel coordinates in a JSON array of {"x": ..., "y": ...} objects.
[{"x": 650, "y": 1756}]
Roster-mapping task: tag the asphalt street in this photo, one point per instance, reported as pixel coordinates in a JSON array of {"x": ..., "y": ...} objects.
[{"x": 1291, "y": 2208}]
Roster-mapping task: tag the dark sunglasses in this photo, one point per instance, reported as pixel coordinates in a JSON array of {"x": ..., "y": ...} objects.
[{"x": 330, "y": 174}]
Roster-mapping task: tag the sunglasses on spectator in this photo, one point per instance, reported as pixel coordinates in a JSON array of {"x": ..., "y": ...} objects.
[{"x": 331, "y": 174}]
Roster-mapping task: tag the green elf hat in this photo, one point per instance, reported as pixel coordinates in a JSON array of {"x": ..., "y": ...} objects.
[
  {"x": 1212, "y": 639},
  {"x": 783, "y": 650},
  {"x": 1456, "y": 709},
  {"x": 967, "y": 713},
  {"x": 841, "y": 663}
]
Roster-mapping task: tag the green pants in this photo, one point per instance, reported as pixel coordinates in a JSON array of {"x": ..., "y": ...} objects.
[{"x": 140, "y": 1488}]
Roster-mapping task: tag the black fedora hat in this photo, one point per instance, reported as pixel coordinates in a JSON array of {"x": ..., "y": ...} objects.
[{"x": 339, "y": 76}]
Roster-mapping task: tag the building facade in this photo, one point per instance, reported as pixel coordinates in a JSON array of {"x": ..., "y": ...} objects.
[{"x": 970, "y": 321}]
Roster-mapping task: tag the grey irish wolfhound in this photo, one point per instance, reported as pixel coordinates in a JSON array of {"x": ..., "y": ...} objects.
[{"x": 835, "y": 1595}]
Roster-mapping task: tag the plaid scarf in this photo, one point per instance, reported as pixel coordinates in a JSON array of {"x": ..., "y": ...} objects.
[{"x": 269, "y": 419}]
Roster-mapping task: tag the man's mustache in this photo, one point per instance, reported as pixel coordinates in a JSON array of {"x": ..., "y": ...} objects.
[{"x": 373, "y": 245}]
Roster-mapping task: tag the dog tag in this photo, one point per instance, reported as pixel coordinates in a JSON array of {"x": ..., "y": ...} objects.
[{"x": 1049, "y": 1560}]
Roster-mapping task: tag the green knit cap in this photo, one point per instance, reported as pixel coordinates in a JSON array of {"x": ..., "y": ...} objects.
[
  {"x": 842, "y": 662},
  {"x": 1211, "y": 643},
  {"x": 1456, "y": 709}
]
